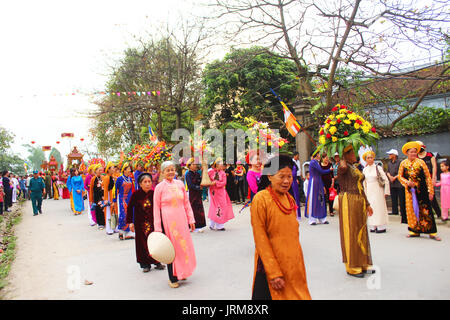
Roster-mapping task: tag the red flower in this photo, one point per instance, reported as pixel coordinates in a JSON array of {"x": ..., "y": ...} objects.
[
  {"x": 328, "y": 136},
  {"x": 374, "y": 130},
  {"x": 338, "y": 121},
  {"x": 358, "y": 121},
  {"x": 328, "y": 121},
  {"x": 343, "y": 107},
  {"x": 321, "y": 132},
  {"x": 345, "y": 133},
  {"x": 348, "y": 111},
  {"x": 334, "y": 109}
]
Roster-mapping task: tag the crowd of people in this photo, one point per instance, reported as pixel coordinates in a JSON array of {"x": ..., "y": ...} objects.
[{"x": 135, "y": 199}]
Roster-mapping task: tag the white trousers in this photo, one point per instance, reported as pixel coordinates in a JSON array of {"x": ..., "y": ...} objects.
[
  {"x": 88, "y": 211},
  {"x": 216, "y": 225},
  {"x": 316, "y": 220}
]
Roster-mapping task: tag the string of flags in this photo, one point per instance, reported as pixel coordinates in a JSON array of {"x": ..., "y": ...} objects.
[{"x": 155, "y": 93}]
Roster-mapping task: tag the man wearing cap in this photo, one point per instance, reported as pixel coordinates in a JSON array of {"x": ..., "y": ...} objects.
[
  {"x": 397, "y": 190},
  {"x": 36, "y": 190}
]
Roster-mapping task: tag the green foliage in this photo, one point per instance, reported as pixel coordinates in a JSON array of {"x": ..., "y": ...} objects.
[
  {"x": 35, "y": 158},
  {"x": 6, "y": 138},
  {"x": 241, "y": 82},
  {"x": 425, "y": 120},
  {"x": 9, "y": 161}
]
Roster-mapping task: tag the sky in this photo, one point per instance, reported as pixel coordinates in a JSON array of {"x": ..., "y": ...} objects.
[{"x": 51, "y": 49}]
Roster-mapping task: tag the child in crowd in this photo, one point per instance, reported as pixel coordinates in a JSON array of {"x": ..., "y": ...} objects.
[{"x": 445, "y": 189}]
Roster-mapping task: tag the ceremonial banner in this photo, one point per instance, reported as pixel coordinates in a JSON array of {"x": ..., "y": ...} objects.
[{"x": 67, "y": 135}]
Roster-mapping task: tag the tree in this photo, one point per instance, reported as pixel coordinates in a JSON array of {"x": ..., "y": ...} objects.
[
  {"x": 322, "y": 36},
  {"x": 240, "y": 83},
  {"x": 167, "y": 65},
  {"x": 6, "y": 138},
  {"x": 35, "y": 158},
  {"x": 8, "y": 160}
]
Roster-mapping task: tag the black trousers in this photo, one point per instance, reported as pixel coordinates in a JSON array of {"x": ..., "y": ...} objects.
[
  {"x": 261, "y": 289},
  {"x": 240, "y": 191},
  {"x": 1, "y": 207},
  {"x": 398, "y": 198},
  {"x": 435, "y": 205},
  {"x": 172, "y": 278},
  {"x": 300, "y": 189}
]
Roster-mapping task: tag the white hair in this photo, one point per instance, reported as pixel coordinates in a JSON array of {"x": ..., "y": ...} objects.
[{"x": 167, "y": 164}]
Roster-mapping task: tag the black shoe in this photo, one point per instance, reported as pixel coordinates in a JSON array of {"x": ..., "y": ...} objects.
[
  {"x": 381, "y": 231},
  {"x": 223, "y": 229},
  {"x": 393, "y": 214},
  {"x": 313, "y": 224},
  {"x": 326, "y": 222},
  {"x": 146, "y": 269},
  {"x": 373, "y": 230},
  {"x": 160, "y": 267},
  {"x": 357, "y": 275}
]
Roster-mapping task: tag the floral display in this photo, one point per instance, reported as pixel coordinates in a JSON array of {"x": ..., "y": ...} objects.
[
  {"x": 344, "y": 127},
  {"x": 150, "y": 154}
]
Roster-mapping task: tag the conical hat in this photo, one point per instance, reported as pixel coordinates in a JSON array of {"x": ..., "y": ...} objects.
[{"x": 160, "y": 247}]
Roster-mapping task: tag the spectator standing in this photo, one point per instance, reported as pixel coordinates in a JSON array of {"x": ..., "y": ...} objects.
[{"x": 397, "y": 190}]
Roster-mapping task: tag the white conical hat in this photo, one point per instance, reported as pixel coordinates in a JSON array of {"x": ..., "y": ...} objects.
[{"x": 160, "y": 247}]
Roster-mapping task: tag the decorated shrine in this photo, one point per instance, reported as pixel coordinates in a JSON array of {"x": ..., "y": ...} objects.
[{"x": 74, "y": 158}]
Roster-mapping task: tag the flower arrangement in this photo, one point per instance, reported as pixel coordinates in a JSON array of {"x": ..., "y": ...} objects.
[
  {"x": 150, "y": 154},
  {"x": 261, "y": 129},
  {"x": 344, "y": 127}
]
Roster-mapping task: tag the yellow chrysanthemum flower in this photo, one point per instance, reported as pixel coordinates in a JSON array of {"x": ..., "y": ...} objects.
[
  {"x": 347, "y": 121},
  {"x": 331, "y": 116},
  {"x": 333, "y": 122},
  {"x": 322, "y": 139},
  {"x": 357, "y": 126},
  {"x": 343, "y": 110},
  {"x": 327, "y": 125},
  {"x": 352, "y": 116},
  {"x": 332, "y": 130},
  {"x": 365, "y": 129},
  {"x": 341, "y": 116},
  {"x": 334, "y": 139}
]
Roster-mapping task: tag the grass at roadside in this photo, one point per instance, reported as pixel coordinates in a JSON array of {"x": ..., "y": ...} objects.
[{"x": 8, "y": 241}]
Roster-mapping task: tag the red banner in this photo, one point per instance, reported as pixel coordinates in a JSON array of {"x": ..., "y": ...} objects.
[
  {"x": 46, "y": 148},
  {"x": 67, "y": 135}
]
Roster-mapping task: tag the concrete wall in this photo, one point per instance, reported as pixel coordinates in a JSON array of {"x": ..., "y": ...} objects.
[{"x": 436, "y": 142}]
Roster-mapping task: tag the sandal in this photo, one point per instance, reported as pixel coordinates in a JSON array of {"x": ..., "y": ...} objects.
[
  {"x": 120, "y": 236},
  {"x": 413, "y": 236},
  {"x": 435, "y": 238},
  {"x": 173, "y": 284}
]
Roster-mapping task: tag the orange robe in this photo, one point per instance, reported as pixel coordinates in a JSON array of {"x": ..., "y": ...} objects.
[
  {"x": 277, "y": 243},
  {"x": 109, "y": 195}
]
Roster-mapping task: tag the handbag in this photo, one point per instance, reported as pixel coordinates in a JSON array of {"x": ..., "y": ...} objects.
[
  {"x": 379, "y": 178},
  {"x": 332, "y": 193}
]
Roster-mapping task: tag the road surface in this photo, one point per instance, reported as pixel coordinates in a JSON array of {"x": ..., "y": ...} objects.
[{"x": 57, "y": 252}]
